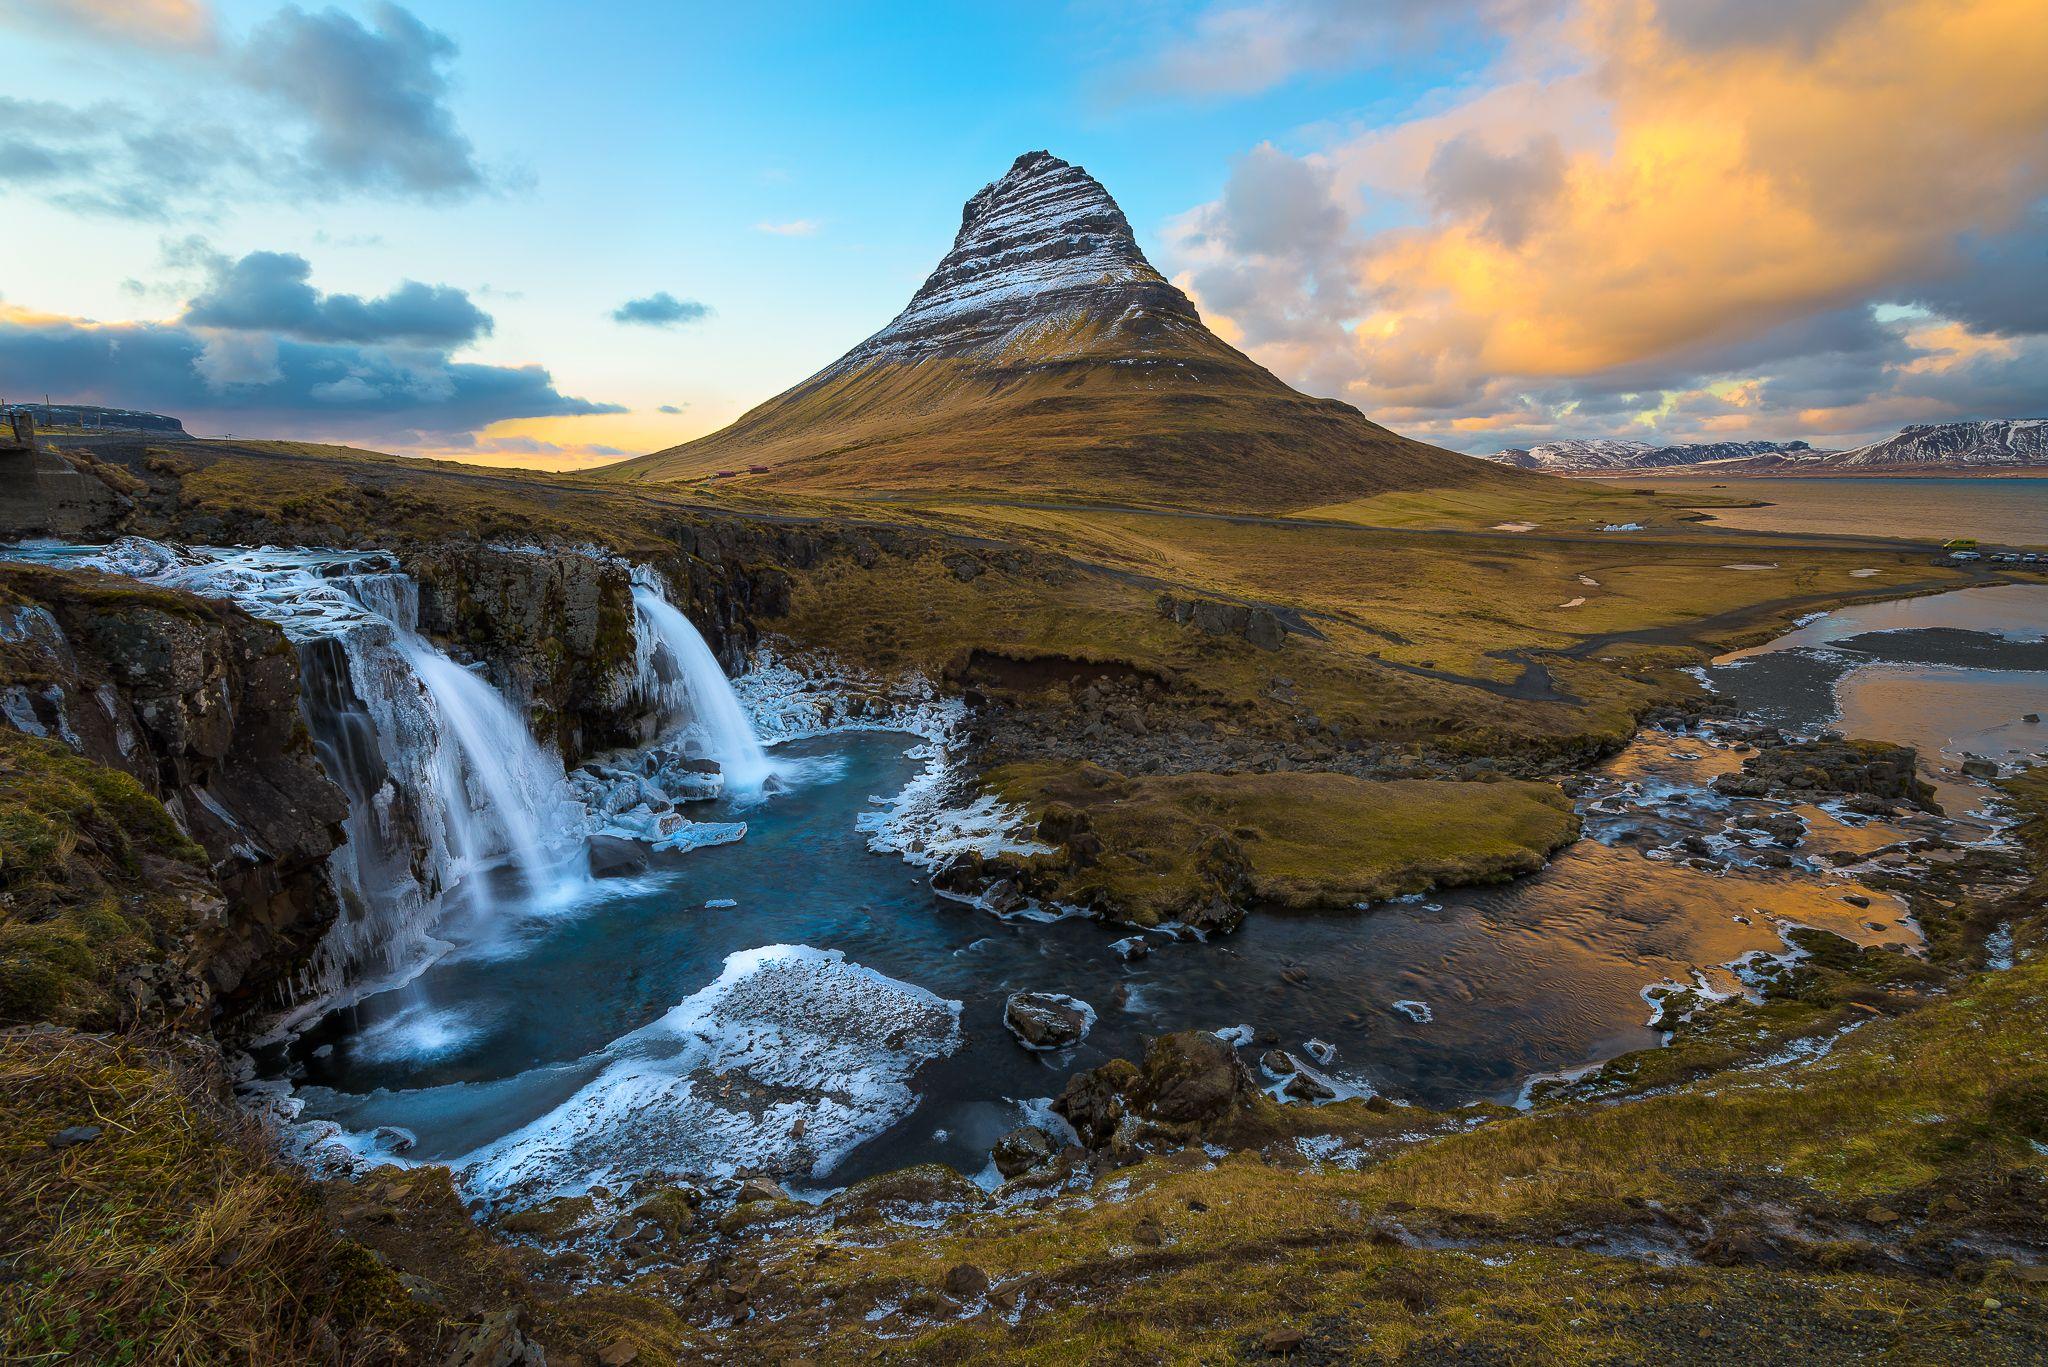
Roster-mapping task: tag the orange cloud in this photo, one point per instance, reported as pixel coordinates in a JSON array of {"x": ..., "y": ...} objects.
[
  {"x": 1708, "y": 190},
  {"x": 1742, "y": 188}
]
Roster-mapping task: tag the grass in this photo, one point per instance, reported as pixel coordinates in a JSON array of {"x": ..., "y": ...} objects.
[
  {"x": 96, "y": 881},
  {"x": 173, "y": 1236},
  {"x": 1186, "y": 421},
  {"x": 1934, "y": 1118},
  {"x": 1169, "y": 844}
]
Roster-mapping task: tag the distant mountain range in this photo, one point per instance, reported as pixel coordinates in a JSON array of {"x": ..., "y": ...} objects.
[
  {"x": 1045, "y": 356},
  {"x": 1971, "y": 446},
  {"x": 1606, "y": 453}
]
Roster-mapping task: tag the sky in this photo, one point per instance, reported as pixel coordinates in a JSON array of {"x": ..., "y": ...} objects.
[{"x": 555, "y": 234}]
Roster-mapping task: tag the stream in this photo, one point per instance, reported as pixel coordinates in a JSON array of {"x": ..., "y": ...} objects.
[{"x": 767, "y": 990}]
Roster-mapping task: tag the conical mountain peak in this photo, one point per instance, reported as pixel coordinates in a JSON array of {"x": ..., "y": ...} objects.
[
  {"x": 1045, "y": 356},
  {"x": 1042, "y": 249}
]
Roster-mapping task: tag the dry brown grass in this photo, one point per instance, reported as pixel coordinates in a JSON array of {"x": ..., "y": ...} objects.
[{"x": 174, "y": 1236}]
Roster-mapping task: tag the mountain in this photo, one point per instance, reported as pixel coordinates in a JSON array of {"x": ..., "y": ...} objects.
[
  {"x": 1600, "y": 453},
  {"x": 2005, "y": 442},
  {"x": 1044, "y": 356}
]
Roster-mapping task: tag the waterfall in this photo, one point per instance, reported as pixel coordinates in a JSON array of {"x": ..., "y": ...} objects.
[
  {"x": 681, "y": 679},
  {"x": 514, "y": 791},
  {"x": 443, "y": 779}
]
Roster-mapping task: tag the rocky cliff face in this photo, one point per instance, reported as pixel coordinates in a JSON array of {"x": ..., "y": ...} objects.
[
  {"x": 555, "y": 629},
  {"x": 199, "y": 703}
]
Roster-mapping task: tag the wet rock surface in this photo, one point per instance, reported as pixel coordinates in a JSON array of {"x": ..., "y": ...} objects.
[
  {"x": 1866, "y": 768},
  {"x": 1189, "y": 1083}
]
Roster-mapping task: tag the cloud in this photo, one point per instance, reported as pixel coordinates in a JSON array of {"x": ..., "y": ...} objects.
[
  {"x": 310, "y": 104},
  {"x": 172, "y": 23},
  {"x": 672, "y": 408},
  {"x": 1244, "y": 49},
  {"x": 1638, "y": 221},
  {"x": 1503, "y": 193},
  {"x": 660, "y": 309},
  {"x": 375, "y": 99},
  {"x": 253, "y": 381},
  {"x": 795, "y": 227},
  {"x": 270, "y": 292}
]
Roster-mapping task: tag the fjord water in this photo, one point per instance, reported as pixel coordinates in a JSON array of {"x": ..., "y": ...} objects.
[{"x": 2001, "y": 511}]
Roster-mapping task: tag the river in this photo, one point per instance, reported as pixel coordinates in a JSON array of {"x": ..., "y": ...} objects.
[{"x": 553, "y": 1050}]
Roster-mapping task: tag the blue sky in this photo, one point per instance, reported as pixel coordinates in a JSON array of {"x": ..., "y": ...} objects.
[{"x": 797, "y": 168}]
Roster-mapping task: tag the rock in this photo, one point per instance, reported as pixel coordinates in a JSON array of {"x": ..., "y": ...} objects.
[
  {"x": 1189, "y": 1083},
  {"x": 1774, "y": 859},
  {"x": 671, "y": 1210},
  {"x": 1976, "y": 766},
  {"x": 614, "y": 857},
  {"x": 1047, "y": 1020},
  {"x": 1280, "y": 1342},
  {"x": 71, "y": 1136},
  {"x": 393, "y": 1139},
  {"x": 2032, "y": 717},
  {"x": 1259, "y": 626},
  {"x": 761, "y": 1189},
  {"x": 498, "y": 1342},
  {"x": 966, "y": 1282},
  {"x": 1855, "y": 899},
  {"x": 1302, "y": 1087},
  {"x": 929, "y": 1191},
  {"x": 1132, "y": 948},
  {"x": 1277, "y": 1062},
  {"x": 1875, "y": 768},
  {"x": 1023, "y": 1149},
  {"x": 618, "y": 1354}
]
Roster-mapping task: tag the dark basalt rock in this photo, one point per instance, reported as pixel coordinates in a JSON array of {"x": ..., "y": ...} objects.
[
  {"x": 1875, "y": 769},
  {"x": 1190, "y": 1083},
  {"x": 1023, "y": 1149}
]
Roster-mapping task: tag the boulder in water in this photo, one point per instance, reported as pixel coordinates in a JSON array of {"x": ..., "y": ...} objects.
[
  {"x": 1023, "y": 1149},
  {"x": 1047, "y": 1020}
]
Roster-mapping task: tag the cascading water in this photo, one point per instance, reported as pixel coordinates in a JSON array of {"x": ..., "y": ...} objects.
[
  {"x": 514, "y": 790},
  {"x": 682, "y": 680},
  {"x": 443, "y": 779}
]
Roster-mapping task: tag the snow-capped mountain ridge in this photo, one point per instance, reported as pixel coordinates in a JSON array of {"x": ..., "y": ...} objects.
[
  {"x": 1606, "y": 453},
  {"x": 2003, "y": 441}
]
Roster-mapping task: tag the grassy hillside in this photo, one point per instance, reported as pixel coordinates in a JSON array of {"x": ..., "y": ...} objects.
[{"x": 1195, "y": 430}]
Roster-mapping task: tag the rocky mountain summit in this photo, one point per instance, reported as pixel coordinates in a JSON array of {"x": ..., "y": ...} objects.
[
  {"x": 1041, "y": 251},
  {"x": 1046, "y": 355}
]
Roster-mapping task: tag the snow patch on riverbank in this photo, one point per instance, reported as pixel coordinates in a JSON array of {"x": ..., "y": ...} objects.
[{"x": 787, "y": 1062}]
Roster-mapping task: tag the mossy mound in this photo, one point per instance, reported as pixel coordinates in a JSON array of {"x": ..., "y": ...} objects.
[{"x": 1198, "y": 847}]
